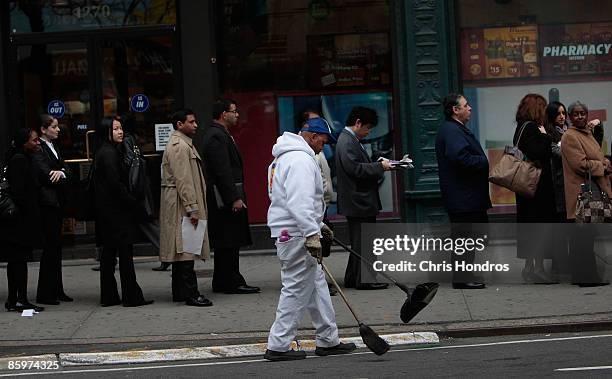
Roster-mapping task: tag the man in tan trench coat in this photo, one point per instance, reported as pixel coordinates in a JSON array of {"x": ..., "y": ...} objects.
[{"x": 182, "y": 195}]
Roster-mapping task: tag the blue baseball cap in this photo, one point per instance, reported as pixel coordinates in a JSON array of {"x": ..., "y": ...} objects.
[{"x": 319, "y": 125}]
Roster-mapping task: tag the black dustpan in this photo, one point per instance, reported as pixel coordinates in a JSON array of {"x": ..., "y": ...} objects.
[{"x": 420, "y": 297}]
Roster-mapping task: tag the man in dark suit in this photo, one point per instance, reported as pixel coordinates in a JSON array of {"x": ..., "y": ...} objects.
[
  {"x": 228, "y": 222},
  {"x": 463, "y": 169},
  {"x": 358, "y": 198}
]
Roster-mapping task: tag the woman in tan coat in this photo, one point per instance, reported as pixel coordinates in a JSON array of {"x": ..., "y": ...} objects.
[
  {"x": 580, "y": 154},
  {"x": 182, "y": 195}
]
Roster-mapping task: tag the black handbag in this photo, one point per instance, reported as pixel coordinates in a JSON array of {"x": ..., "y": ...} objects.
[
  {"x": 8, "y": 208},
  {"x": 137, "y": 174},
  {"x": 593, "y": 205}
]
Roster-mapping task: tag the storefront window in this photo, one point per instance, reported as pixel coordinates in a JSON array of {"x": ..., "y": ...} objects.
[
  {"x": 289, "y": 45},
  {"x": 62, "y": 15},
  {"x": 559, "y": 49},
  {"x": 278, "y": 58}
]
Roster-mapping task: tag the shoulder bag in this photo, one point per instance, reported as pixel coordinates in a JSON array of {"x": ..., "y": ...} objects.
[
  {"x": 593, "y": 205},
  {"x": 515, "y": 172}
]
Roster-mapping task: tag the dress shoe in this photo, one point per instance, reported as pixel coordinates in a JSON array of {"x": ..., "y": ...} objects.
[
  {"x": 20, "y": 306},
  {"x": 290, "y": 355},
  {"x": 341, "y": 348},
  {"x": 372, "y": 286},
  {"x": 162, "y": 267},
  {"x": 243, "y": 290},
  {"x": 598, "y": 284},
  {"x": 10, "y": 306},
  {"x": 144, "y": 302},
  {"x": 47, "y": 301},
  {"x": 95, "y": 268},
  {"x": 111, "y": 304},
  {"x": 65, "y": 298},
  {"x": 28, "y": 305},
  {"x": 469, "y": 286},
  {"x": 199, "y": 301}
]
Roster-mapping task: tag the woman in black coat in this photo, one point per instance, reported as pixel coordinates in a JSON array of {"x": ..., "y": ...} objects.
[
  {"x": 534, "y": 241},
  {"x": 115, "y": 219},
  {"x": 19, "y": 237},
  {"x": 52, "y": 175}
]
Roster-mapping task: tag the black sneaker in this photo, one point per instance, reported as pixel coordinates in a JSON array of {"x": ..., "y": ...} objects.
[
  {"x": 291, "y": 355},
  {"x": 341, "y": 348}
]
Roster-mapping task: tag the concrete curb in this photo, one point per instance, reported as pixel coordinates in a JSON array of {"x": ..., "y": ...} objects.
[{"x": 230, "y": 351}]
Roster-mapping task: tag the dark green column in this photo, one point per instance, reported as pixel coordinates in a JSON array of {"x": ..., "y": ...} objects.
[
  {"x": 4, "y": 33},
  {"x": 425, "y": 71}
]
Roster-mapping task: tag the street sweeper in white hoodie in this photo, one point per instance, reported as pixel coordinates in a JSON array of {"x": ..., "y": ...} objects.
[{"x": 295, "y": 218}]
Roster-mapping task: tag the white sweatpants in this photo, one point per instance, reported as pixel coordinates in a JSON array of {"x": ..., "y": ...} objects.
[{"x": 304, "y": 286}]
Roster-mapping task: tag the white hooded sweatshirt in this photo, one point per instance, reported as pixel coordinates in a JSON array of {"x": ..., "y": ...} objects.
[{"x": 295, "y": 188}]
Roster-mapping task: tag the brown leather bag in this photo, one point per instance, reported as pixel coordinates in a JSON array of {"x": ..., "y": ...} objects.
[{"x": 515, "y": 172}]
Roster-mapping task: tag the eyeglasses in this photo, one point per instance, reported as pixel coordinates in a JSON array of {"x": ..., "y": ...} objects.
[
  {"x": 579, "y": 113},
  {"x": 235, "y": 111}
]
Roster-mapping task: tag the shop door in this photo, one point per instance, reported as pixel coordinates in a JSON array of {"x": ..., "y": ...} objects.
[{"x": 82, "y": 81}]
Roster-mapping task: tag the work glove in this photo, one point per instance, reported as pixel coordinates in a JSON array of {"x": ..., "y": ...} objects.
[
  {"x": 313, "y": 245},
  {"x": 327, "y": 233}
]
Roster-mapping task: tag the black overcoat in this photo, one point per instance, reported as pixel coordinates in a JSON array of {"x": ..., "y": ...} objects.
[
  {"x": 540, "y": 209},
  {"x": 116, "y": 209},
  {"x": 537, "y": 147},
  {"x": 224, "y": 171},
  {"x": 463, "y": 169},
  {"x": 26, "y": 230}
]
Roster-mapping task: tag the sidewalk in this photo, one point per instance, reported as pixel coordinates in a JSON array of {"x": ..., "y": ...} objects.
[{"x": 84, "y": 326}]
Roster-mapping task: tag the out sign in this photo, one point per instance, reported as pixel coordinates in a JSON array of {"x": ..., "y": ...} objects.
[
  {"x": 139, "y": 103},
  {"x": 56, "y": 108}
]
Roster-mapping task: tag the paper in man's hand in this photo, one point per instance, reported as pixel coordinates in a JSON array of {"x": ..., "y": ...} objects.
[{"x": 193, "y": 237}]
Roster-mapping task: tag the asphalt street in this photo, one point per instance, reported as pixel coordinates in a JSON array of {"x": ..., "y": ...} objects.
[{"x": 576, "y": 355}]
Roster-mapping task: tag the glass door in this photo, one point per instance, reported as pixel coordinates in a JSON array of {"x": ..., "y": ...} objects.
[
  {"x": 138, "y": 84},
  {"x": 55, "y": 78}
]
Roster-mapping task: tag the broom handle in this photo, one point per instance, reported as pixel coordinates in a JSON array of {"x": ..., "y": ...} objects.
[
  {"x": 340, "y": 291},
  {"x": 400, "y": 285}
]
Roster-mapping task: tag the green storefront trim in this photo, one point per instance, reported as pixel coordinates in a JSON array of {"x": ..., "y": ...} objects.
[{"x": 425, "y": 71}]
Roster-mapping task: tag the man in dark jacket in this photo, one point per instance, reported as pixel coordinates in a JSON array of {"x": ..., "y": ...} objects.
[
  {"x": 358, "y": 197},
  {"x": 228, "y": 222},
  {"x": 463, "y": 170}
]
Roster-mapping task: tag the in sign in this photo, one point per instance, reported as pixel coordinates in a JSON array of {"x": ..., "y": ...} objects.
[
  {"x": 56, "y": 108},
  {"x": 139, "y": 103}
]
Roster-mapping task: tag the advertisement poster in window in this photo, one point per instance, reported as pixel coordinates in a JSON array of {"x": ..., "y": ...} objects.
[
  {"x": 349, "y": 60},
  {"x": 576, "y": 49},
  {"x": 500, "y": 53}
]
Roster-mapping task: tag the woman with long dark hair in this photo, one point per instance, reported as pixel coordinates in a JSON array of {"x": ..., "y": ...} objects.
[
  {"x": 115, "y": 219},
  {"x": 52, "y": 175},
  {"x": 556, "y": 125},
  {"x": 20, "y": 236},
  {"x": 534, "y": 245}
]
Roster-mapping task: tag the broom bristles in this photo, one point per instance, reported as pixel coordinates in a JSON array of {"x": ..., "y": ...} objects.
[{"x": 372, "y": 340}]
